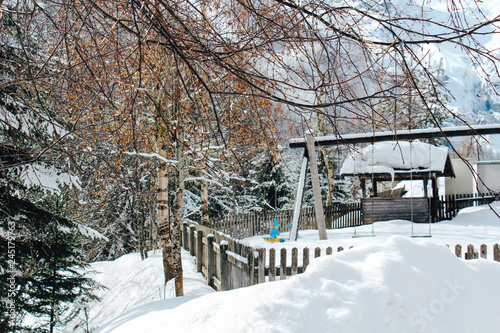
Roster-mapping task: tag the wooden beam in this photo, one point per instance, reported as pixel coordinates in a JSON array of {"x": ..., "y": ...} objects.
[
  {"x": 426, "y": 133},
  {"x": 318, "y": 202},
  {"x": 298, "y": 199}
]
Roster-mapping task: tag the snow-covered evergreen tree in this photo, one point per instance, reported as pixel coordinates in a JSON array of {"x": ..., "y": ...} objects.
[
  {"x": 39, "y": 250},
  {"x": 270, "y": 184}
]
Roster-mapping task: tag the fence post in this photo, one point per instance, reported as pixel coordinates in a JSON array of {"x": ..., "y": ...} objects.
[
  {"x": 317, "y": 252},
  {"x": 295, "y": 258},
  {"x": 329, "y": 250},
  {"x": 251, "y": 266},
  {"x": 192, "y": 228},
  {"x": 199, "y": 250},
  {"x": 483, "y": 251},
  {"x": 272, "y": 264},
  {"x": 261, "y": 271},
  {"x": 496, "y": 252},
  {"x": 340, "y": 248},
  {"x": 283, "y": 264},
  {"x": 458, "y": 250},
  {"x": 224, "y": 266},
  {"x": 184, "y": 236},
  {"x": 210, "y": 260},
  {"x": 470, "y": 252},
  {"x": 305, "y": 259}
]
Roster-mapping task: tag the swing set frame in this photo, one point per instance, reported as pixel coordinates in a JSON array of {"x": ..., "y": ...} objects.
[{"x": 310, "y": 143}]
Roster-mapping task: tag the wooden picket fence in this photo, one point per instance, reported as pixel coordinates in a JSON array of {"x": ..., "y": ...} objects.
[
  {"x": 227, "y": 264},
  {"x": 337, "y": 215},
  {"x": 450, "y": 205},
  {"x": 340, "y": 215},
  {"x": 472, "y": 253}
]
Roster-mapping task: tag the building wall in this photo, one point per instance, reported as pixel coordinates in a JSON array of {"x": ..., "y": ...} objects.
[
  {"x": 463, "y": 183},
  {"x": 489, "y": 172}
]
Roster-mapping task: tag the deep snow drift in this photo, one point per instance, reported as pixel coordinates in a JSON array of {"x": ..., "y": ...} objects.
[
  {"x": 131, "y": 283},
  {"x": 396, "y": 286},
  {"x": 386, "y": 283}
]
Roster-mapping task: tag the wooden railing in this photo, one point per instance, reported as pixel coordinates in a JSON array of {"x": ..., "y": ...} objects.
[
  {"x": 227, "y": 264},
  {"x": 337, "y": 215}
]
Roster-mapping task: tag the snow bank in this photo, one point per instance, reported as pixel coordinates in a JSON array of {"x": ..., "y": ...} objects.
[
  {"x": 395, "y": 286},
  {"x": 389, "y": 157},
  {"x": 131, "y": 282},
  {"x": 483, "y": 215}
]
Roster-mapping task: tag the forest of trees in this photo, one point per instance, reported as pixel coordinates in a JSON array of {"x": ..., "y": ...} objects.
[{"x": 119, "y": 120}]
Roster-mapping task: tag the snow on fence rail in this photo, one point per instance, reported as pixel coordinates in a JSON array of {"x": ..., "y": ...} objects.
[
  {"x": 227, "y": 264},
  {"x": 337, "y": 215}
]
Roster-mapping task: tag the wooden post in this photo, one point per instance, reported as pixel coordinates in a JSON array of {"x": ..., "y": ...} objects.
[
  {"x": 298, "y": 199},
  {"x": 458, "y": 250},
  {"x": 496, "y": 252},
  {"x": 318, "y": 202},
  {"x": 317, "y": 252},
  {"x": 484, "y": 252},
  {"x": 329, "y": 250},
  {"x": 272, "y": 264},
  {"x": 192, "y": 228},
  {"x": 224, "y": 266},
  {"x": 435, "y": 197},
  {"x": 210, "y": 260},
  {"x": 470, "y": 252},
  {"x": 283, "y": 264},
  {"x": 184, "y": 236},
  {"x": 199, "y": 251},
  {"x": 340, "y": 248},
  {"x": 251, "y": 266},
  {"x": 426, "y": 182},
  {"x": 261, "y": 270},
  {"x": 305, "y": 258},
  {"x": 295, "y": 257}
]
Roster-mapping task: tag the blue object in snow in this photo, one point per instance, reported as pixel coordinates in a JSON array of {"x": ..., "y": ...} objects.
[{"x": 274, "y": 232}]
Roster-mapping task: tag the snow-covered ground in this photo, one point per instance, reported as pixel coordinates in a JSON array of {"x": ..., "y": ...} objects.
[
  {"x": 131, "y": 283},
  {"x": 386, "y": 283}
]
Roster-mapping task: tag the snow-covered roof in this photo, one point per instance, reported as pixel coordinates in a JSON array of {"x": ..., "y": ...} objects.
[
  {"x": 413, "y": 134},
  {"x": 396, "y": 157}
]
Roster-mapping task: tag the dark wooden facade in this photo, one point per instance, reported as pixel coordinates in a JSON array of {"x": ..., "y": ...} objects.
[{"x": 384, "y": 209}]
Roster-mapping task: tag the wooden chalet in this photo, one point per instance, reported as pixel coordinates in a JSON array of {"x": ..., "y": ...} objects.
[{"x": 380, "y": 164}]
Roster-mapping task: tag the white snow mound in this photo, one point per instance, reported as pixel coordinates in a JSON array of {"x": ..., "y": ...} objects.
[{"x": 396, "y": 286}]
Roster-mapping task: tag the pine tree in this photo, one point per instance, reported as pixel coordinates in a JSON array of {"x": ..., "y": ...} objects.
[
  {"x": 46, "y": 266},
  {"x": 271, "y": 183},
  {"x": 40, "y": 258}
]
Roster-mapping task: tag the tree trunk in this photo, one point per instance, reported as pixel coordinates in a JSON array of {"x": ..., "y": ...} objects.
[
  {"x": 162, "y": 214},
  {"x": 330, "y": 165},
  {"x": 177, "y": 221},
  {"x": 330, "y": 175},
  {"x": 204, "y": 203}
]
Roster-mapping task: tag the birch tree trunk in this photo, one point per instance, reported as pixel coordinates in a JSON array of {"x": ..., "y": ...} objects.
[
  {"x": 163, "y": 215},
  {"x": 177, "y": 221},
  {"x": 330, "y": 175},
  {"x": 204, "y": 203},
  {"x": 330, "y": 166}
]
